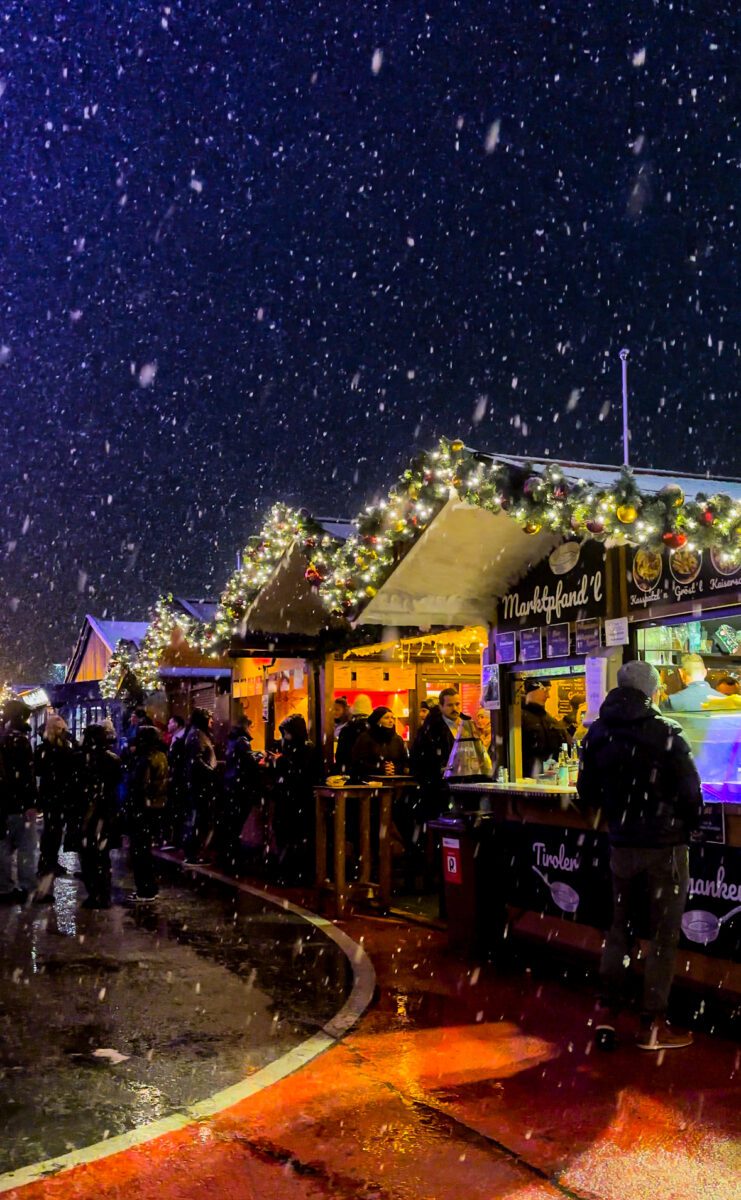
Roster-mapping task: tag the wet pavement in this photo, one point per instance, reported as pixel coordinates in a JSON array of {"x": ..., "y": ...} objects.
[
  {"x": 460, "y": 1081},
  {"x": 110, "y": 1020}
]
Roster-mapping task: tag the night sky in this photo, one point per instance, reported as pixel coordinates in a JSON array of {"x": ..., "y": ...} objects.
[{"x": 259, "y": 251}]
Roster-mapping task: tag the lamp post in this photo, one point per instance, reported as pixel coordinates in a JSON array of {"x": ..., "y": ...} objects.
[{"x": 626, "y": 449}]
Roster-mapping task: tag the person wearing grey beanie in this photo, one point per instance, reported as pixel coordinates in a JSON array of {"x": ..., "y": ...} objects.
[{"x": 637, "y": 775}]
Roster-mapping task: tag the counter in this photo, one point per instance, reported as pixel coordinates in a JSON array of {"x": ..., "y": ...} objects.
[{"x": 557, "y": 864}]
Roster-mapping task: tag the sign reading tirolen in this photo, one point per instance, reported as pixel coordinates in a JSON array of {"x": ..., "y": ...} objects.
[{"x": 567, "y": 586}]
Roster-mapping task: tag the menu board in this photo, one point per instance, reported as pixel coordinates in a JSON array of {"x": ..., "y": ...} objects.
[
  {"x": 665, "y": 577},
  {"x": 506, "y": 647},
  {"x": 531, "y": 645},
  {"x": 558, "y": 641},
  {"x": 588, "y": 636}
]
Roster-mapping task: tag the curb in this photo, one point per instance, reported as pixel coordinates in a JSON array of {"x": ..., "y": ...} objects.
[{"x": 361, "y": 996}]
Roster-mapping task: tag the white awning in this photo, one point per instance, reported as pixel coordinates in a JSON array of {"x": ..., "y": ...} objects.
[{"x": 454, "y": 573}]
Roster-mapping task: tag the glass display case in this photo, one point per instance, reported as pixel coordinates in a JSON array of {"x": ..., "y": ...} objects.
[{"x": 715, "y": 738}]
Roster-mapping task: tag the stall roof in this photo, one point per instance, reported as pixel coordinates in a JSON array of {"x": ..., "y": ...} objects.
[
  {"x": 468, "y": 557},
  {"x": 201, "y": 610},
  {"x": 287, "y": 603},
  {"x": 113, "y": 632},
  {"x": 650, "y": 479},
  {"x": 465, "y": 558}
]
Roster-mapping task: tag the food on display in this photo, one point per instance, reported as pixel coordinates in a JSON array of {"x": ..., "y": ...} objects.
[{"x": 647, "y": 568}]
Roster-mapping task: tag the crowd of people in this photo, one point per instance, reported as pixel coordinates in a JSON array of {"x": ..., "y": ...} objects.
[{"x": 155, "y": 787}]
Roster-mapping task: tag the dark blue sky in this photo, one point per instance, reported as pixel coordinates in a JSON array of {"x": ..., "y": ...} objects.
[{"x": 326, "y": 266}]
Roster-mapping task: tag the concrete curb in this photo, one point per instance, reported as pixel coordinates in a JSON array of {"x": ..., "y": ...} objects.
[{"x": 361, "y": 995}]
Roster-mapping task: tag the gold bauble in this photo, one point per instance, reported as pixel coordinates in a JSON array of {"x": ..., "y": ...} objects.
[
  {"x": 457, "y": 446},
  {"x": 532, "y": 527},
  {"x": 400, "y": 526},
  {"x": 370, "y": 591},
  {"x": 627, "y": 514}
]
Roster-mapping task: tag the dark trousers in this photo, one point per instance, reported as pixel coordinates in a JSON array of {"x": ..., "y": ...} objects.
[
  {"x": 51, "y": 839},
  {"x": 142, "y": 862},
  {"x": 649, "y": 890},
  {"x": 95, "y": 863}
]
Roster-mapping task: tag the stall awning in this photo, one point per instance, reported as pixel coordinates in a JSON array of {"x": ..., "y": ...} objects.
[
  {"x": 465, "y": 559},
  {"x": 288, "y": 604}
]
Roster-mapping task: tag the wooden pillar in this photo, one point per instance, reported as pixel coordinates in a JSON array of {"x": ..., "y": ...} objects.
[
  {"x": 321, "y": 710},
  {"x": 415, "y": 697}
]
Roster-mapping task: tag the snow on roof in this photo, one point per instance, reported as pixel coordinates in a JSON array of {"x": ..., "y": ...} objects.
[
  {"x": 113, "y": 632},
  {"x": 200, "y": 610},
  {"x": 648, "y": 478}
]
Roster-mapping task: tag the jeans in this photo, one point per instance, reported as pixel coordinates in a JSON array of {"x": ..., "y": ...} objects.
[
  {"x": 20, "y": 838},
  {"x": 652, "y": 884}
]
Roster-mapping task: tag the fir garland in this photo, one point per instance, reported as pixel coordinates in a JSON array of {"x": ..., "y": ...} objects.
[{"x": 283, "y": 526}]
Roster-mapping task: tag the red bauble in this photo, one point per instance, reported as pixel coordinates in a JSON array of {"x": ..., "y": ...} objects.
[
  {"x": 707, "y": 517},
  {"x": 596, "y": 526},
  {"x": 313, "y": 575},
  {"x": 674, "y": 541}
]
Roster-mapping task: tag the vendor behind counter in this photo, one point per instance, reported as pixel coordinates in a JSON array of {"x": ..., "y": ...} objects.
[{"x": 542, "y": 734}]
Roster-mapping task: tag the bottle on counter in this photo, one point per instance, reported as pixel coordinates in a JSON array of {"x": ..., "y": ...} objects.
[
  {"x": 563, "y": 766},
  {"x": 573, "y": 765}
]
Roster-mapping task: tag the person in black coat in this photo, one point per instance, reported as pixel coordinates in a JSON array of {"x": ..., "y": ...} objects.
[
  {"x": 178, "y": 796},
  {"x": 350, "y": 732},
  {"x": 18, "y": 805},
  {"x": 201, "y": 781},
  {"x": 56, "y": 764},
  {"x": 638, "y": 775},
  {"x": 241, "y": 792},
  {"x": 379, "y": 749},
  {"x": 431, "y": 751},
  {"x": 294, "y": 773},
  {"x": 147, "y": 800},
  {"x": 542, "y": 735},
  {"x": 99, "y": 773}
]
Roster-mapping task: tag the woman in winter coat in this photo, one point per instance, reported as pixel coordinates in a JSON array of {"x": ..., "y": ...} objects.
[
  {"x": 380, "y": 750},
  {"x": 100, "y": 773},
  {"x": 294, "y": 774},
  {"x": 147, "y": 800},
  {"x": 201, "y": 783}
]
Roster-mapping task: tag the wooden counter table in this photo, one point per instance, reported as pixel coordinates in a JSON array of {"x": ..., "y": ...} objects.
[{"x": 332, "y": 803}]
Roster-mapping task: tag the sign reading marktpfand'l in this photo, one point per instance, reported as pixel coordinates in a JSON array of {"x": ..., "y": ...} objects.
[{"x": 569, "y": 585}]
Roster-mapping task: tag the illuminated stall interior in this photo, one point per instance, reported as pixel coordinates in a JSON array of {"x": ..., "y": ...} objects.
[
  {"x": 714, "y": 729},
  {"x": 401, "y": 673}
]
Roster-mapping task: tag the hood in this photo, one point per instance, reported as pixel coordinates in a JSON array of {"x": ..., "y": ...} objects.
[
  {"x": 626, "y": 706},
  {"x": 200, "y": 719}
]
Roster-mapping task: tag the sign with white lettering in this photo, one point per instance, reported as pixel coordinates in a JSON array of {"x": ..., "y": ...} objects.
[
  {"x": 710, "y": 922},
  {"x": 616, "y": 631},
  {"x": 531, "y": 645},
  {"x": 661, "y": 579},
  {"x": 506, "y": 647},
  {"x": 588, "y": 635},
  {"x": 558, "y": 641},
  {"x": 567, "y": 586}
]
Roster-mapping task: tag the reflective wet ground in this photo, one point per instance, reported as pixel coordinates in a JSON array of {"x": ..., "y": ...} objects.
[{"x": 109, "y": 1020}]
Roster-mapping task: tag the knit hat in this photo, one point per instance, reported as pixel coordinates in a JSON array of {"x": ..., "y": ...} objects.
[
  {"x": 639, "y": 675},
  {"x": 377, "y": 713},
  {"x": 361, "y": 707},
  {"x": 534, "y": 685}
]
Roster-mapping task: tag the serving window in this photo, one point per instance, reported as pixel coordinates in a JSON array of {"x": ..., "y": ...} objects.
[{"x": 706, "y": 652}]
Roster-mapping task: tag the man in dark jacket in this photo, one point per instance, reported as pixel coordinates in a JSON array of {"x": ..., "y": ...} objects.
[
  {"x": 241, "y": 792},
  {"x": 147, "y": 800},
  {"x": 542, "y": 734},
  {"x": 350, "y": 732},
  {"x": 18, "y": 805},
  {"x": 638, "y": 776},
  {"x": 431, "y": 751}
]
